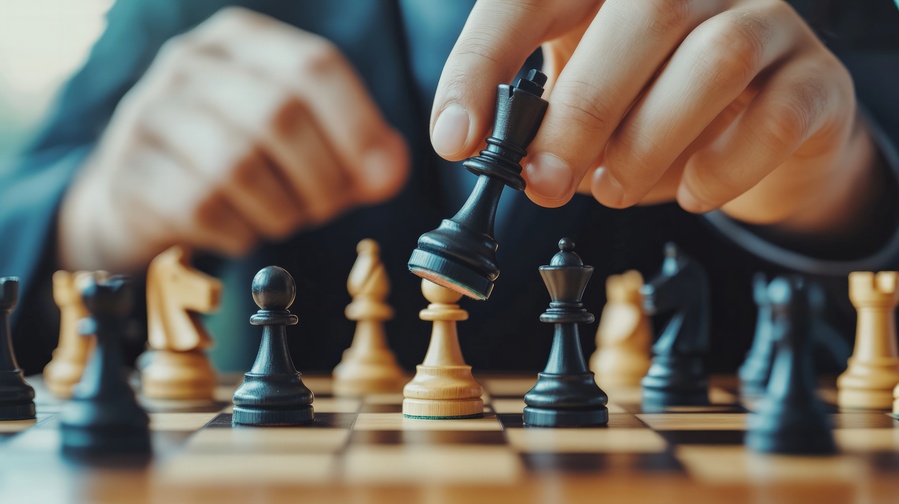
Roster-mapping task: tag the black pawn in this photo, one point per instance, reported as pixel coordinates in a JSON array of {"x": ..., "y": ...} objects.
[
  {"x": 566, "y": 395},
  {"x": 791, "y": 419},
  {"x": 756, "y": 368},
  {"x": 103, "y": 417},
  {"x": 677, "y": 375},
  {"x": 273, "y": 393},
  {"x": 461, "y": 253},
  {"x": 16, "y": 395}
]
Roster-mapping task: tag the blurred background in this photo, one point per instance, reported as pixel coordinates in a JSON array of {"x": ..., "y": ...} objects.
[{"x": 41, "y": 43}]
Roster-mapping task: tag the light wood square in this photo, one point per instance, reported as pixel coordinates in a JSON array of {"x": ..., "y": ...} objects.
[
  {"x": 694, "y": 421},
  {"x": 859, "y": 440},
  {"x": 180, "y": 421},
  {"x": 396, "y": 421},
  {"x": 336, "y": 405},
  {"x": 737, "y": 465},
  {"x": 268, "y": 440},
  {"x": 603, "y": 440},
  {"x": 451, "y": 464},
  {"x": 223, "y": 470}
]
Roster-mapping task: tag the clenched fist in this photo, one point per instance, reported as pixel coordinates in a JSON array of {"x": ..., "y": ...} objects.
[{"x": 243, "y": 129}]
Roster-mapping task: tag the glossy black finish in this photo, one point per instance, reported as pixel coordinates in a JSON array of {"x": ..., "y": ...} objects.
[
  {"x": 566, "y": 394},
  {"x": 16, "y": 395},
  {"x": 103, "y": 417},
  {"x": 461, "y": 253},
  {"x": 791, "y": 419},
  {"x": 756, "y": 368},
  {"x": 677, "y": 376},
  {"x": 273, "y": 392}
]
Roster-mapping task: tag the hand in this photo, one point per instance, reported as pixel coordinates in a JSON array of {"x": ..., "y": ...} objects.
[
  {"x": 244, "y": 129},
  {"x": 731, "y": 104}
]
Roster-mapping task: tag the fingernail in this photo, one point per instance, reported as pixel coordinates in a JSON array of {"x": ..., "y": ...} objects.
[
  {"x": 606, "y": 189},
  {"x": 450, "y": 130},
  {"x": 549, "y": 176}
]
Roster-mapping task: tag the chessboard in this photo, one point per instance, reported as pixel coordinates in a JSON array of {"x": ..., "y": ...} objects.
[{"x": 365, "y": 450}]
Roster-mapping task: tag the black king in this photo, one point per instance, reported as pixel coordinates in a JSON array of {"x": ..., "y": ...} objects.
[{"x": 461, "y": 253}]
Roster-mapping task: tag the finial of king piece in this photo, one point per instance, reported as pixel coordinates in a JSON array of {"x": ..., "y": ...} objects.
[{"x": 461, "y": 253}]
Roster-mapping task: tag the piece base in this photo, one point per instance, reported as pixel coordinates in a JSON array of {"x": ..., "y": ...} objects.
[
  {"x": 259, "y": 417},
  {"x": 542, "y": 417},
  {"x": 450, "y": 274},
  {"x": 865, "y": 399},
  {"x": 443, "y": 409},
  {"x": 17, "y": 411},
  {"x": 79, "y": 441},
  {"x": 790, "y": 443}
]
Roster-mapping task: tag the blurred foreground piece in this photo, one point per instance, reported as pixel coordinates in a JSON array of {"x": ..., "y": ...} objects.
[
  {"x": 443, "y": 387},
  {"x": 273, "y": 393},
  {"x": 177, "y": 367},
  {"x": 873, "y": 369},
  {"x": 791, "y": 419},
  {"x": 624, "y": 335},
  {"x": 103, "y": 416},
  {"x": 16, "y": 395},
  {"x": 756, "y": 369},
  {"x": 566, "y": 394},
  {"x": 368, "y": 365},
  {"x": 677, "y": 376},
  {"x": 461, "y": 253},
  {"x": 67, "y": 365}
]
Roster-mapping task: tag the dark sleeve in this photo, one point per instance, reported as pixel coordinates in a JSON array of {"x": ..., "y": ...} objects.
[
  {"x": 33, "y": 184},
  {"x": 865, "y": 36}
]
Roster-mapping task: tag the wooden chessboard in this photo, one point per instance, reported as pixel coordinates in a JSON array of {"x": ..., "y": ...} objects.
[{"x": 364, "y": 450}]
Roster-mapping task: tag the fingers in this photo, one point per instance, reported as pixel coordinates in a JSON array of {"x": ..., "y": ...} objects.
[
  {"x": 796, "y": 113},
  {"x": 496, "y": 40},
  {"x": 711, "y": 68},
  {"x": 620, "y": 52},
  {"x": 315, "y": 74}
]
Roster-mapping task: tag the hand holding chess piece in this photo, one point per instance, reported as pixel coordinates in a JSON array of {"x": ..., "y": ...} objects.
[{"x": 443, "y": 387}]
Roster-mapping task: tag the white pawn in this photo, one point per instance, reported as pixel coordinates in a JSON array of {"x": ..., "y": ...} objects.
[
  {"x": 623, "y": 339},
  {"x": 368, "y": 366},
  {"x": 443, "y": 387},
  {"x": 873, "y": 369}
]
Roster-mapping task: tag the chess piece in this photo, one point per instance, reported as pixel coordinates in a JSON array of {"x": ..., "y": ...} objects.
[
  {"x": 566, "y": 394},
  {"x": 624, "y": 335},
  {"x": 103, "y": 416},
  {"x": 791, "y": 419},
  {"x": 873, "y": 369},
  {"x": 443, "y": 387},
  {"x": 368, "y": 366},
  {"x": 177, "y": 367},
  {"x": 461, "y": 253},
  {"x": 64, "y": 370},
  {"x": 756, "y": 368},
  {"x": 677, "y": 375},
  {"x": 16, "y": 395},
  {"x": 273, "y": 393}
]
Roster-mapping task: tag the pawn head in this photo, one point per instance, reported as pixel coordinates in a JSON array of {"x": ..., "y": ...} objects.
[
  {"x": 274, "y": 289},
  {"x": 438, "y": 294}
]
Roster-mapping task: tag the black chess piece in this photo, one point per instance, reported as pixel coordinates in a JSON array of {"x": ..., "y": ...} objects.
[
  {"x": 566, "y": 395},
  {"x": 103, "y": 417},
  {"x": 273, "y": 392},
  {"x": 756, "y": 368},
  {"x": 677, "y": 375},
  {"x": 461, "y": 253},
  {"x": 791, "y": 419},
  {"x": 16, "y": 395}
]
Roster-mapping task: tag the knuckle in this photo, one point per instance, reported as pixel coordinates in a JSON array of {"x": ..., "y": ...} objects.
[
  {"x": 585, "y": 106},
  {"x": 630, "y": 155},
  {"x": 670, "y": 15},
  {"x": 319, "y": 57},
  {"x": 227, "y": 20},
  {"x": 792, "y": 116},
  {"x": 733, "y": 48}
]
